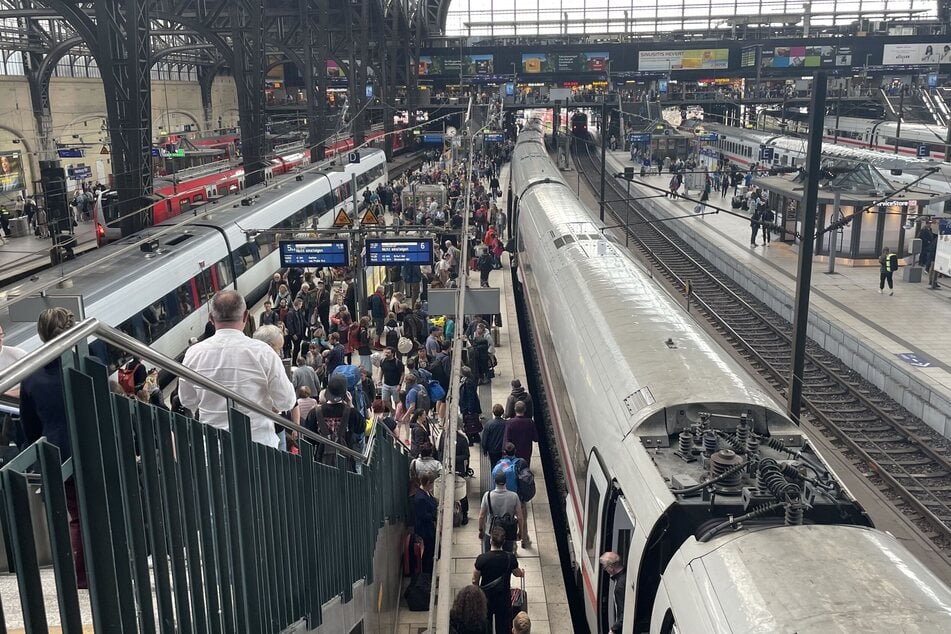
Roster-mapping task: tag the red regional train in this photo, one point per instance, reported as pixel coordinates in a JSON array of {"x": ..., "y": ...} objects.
[{"x": 177, "y": 198}]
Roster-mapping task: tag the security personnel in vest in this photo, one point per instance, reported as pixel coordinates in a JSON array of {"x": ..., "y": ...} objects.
[{"x": 888, "y": 263}]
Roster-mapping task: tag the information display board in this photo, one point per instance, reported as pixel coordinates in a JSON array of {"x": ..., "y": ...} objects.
[
  {"x": 390, "y": 251},
  {"x": 596, "y": 62},
  {"x": 300, "y": 253}
]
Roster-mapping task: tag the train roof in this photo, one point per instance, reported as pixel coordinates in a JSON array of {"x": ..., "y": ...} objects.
[
  {"x": 182, "y": 252},
  {"x": 833, "y": 151},
  {"x": 809, "y": 580}
]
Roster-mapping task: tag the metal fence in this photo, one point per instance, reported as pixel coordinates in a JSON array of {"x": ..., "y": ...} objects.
[{"x": 190, "y": 528}]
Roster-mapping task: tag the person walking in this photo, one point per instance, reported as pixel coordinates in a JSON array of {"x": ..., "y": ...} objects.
[
  {"x": 888, "y": 262},
  {"x": 493, "y": 574}
]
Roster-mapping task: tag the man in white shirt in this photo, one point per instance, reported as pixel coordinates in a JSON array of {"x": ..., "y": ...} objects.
[
  {"x": 8, "y": 356},
  {"x": 242, "y": 364}
]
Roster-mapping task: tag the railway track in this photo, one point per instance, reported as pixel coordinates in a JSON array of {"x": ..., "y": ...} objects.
[{"x": 909, "y": 462}]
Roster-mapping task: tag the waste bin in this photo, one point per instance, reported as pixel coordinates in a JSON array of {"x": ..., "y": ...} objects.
[{"x": 19, "y": 227}]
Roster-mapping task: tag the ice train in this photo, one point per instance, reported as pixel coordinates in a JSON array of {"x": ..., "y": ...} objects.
[{"x": 725, "y": 515}]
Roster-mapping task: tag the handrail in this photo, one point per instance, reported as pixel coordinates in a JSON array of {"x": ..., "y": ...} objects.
[{"x": 92, "y": 327}]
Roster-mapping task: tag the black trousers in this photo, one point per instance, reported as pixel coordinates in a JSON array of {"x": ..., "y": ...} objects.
[
  {"x": 753, "y": 234},
  {"x": 500, "y": 613},
  {"x": 886, "y": 276}
]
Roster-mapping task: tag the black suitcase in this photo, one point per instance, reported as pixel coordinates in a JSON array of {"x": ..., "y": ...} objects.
[{"x": 418, "y": 591}]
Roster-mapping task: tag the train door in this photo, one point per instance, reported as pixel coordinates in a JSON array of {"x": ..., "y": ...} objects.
[
  {"x": 592, "y": 577},
  {"x": 617, "y": 532}
]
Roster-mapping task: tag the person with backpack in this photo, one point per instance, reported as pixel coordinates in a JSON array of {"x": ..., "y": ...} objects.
[
  {"x": 517, "y": 394},
  {"x": 417, "y": 397},
  {"x": 485, "y": 264},
  {"x": 132, "y": 376},
  {"x": 500, "y": 508},
  {"x": 520, "y": 480},
  {"x": 521, "y": 432},
  {"x": 334, "y": 418},
  {"x": 493, "y": 574}
]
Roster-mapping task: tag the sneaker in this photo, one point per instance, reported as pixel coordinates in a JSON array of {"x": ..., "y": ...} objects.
[
  {"x": 526, "y": 543},
  {"x": 890, "y": 293},
  {"x": 880, "y": 291}
]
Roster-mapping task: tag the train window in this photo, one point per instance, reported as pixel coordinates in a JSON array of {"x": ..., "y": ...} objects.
[
  {"x": 206, "y": 287},
  {"x": 184, "y": 204},
  {"x": 199, "y": 197},
  {"x": 224, "y": 271},
  {"x": 591, "y": 526},
  {"x": 669, "y": 626},
  {"x": 185, "y": 299},
  {"x": 265, "y": 245}
]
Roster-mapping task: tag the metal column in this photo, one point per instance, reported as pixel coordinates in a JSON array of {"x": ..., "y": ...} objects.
[
  {"x": 310, "y": 88},
  {"x": 247, "y": 36},
  {"x": 124, "y": 62},
  {"x": 319, "y": 29},
  {"x": 807, "y": 244}
]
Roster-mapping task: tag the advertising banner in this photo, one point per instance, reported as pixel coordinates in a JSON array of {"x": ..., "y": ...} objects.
[
  {"x": 565, "y": 62},
  {"x": 450, "y": 64},
  {"x": 686, "y": 59},
  {"x": 894, "y": 54},
  {"x": 11, "y": 172},
  {"x": 806, "y": 56}
]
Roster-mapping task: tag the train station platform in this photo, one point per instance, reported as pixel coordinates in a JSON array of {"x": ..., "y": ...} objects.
[
  {"x": 27, "y": 254},
  {"x": 897, "y": 342},
  {"x": 547, "y": 599}
]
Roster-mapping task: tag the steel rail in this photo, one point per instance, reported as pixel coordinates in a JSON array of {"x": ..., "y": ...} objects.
[{"x": 879, "y": 464}]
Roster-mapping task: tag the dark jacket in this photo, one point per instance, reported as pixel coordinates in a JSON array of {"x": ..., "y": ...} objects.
[
  {"x": 519, "y": 394},
  {"x": 43, "y": 408},
  {"x": 493, "y": 437},
  {"x": 469, "y": 401},
  {"x": 619, "y": 580},
  {"x": 377, "y": 306},
  {"x": 521, "y": 432},
  {"x": 296, "y": 324}
]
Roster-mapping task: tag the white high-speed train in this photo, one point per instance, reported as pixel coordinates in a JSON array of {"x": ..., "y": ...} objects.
[
  {"x": 726, "y": 517},
  {"x": 881, "y": 135},
  {"x": 160, "y": 296}
]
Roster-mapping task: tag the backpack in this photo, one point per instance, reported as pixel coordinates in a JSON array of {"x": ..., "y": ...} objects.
[
  {"x": 127, "y": 378},
  {"x": 506, "y": 521},
  {"x": 424, "y": 402},
  {"x": 418, "y": 592},
  {"x": 392, "y": 337},
  {"x": 893, "y": 260},
  {"x": 436, "y": 391},
  {"x": 508, "y": 466},
  {"x": 526, "y": 482},
  {"x": 352, "y": 374}
]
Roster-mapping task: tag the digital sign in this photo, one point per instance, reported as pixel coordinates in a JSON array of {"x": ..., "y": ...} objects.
[
  {"x": 387, "y": 252},
  {"x": 300, "y": 253}
]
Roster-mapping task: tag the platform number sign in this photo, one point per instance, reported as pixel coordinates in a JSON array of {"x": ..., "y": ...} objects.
[
  {"x": 766, "y": 153},
  {"x": 924, "y": 151},
  {"x": 353, "y": 158}
]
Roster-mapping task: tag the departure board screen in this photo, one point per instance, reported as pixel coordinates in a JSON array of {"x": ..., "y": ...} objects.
[
  {"x": 300, "y": 253},
  {"x": 399, "y": 251}
]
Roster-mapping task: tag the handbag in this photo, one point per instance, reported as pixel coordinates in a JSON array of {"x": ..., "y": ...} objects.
[{"x": 519, "y": 599}]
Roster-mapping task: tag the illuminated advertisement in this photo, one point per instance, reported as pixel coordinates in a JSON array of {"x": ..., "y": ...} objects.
[
  {"x": 806, "y": 56},
  {"x": 333, "y": 70},
  {"x": 450, "y": 65},
  {"x": 11, "y": 172},
  {"x": 565, "y": 62},
  {"x": 686, "y": 59},
  {"x": 939, "y": 53}
]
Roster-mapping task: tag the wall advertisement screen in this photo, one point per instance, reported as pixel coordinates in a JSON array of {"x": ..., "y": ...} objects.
[
  {"x": 11, "y": 172},
  {"x": 806, "y": 56},
  {"x": 686, "y": 59},
  {"x": 933, "y": 53},
  {"x": 564, "y": 62},
  {"x": 450, "y": 64}
]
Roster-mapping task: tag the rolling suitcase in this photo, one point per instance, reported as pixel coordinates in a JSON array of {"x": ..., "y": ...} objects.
[{"x": 519, "y": 599}]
